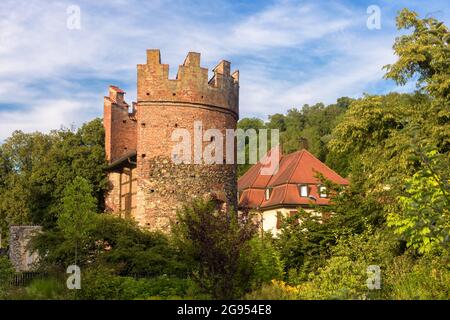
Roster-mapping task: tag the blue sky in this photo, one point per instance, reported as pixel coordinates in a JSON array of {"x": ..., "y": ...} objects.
[{"x": 288, "y": 52}]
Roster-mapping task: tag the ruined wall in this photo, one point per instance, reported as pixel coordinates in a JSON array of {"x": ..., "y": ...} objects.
[{"x": 21, "y": 257}]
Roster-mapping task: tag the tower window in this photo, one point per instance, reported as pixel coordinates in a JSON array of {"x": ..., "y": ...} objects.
[
  {"x": 323, "y": 192},
  {"x": 304, "y": 190}
]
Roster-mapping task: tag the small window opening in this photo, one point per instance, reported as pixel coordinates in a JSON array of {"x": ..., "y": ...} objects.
[
  {"x": 323, "y": 192},
  {"x": 304, "y": 190}
]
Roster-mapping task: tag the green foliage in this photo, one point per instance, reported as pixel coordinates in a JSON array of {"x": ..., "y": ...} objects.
[
  {"x": 424, "y": 53},
  {"x": 344, "y": 275},
  {"x": 423, "y": 214},
  {"x": 351, "y": 212},
  {"x": 115, "y": 243},
  {"x": 216, "y": 245},
  {"x": 276, "y": 290},
  {"x": 78, "y": 211},
  {"x": 266, "y": 260},
  {"x": 46, "y": 289},
  {"x": 427, "y": 277},
  {"x": 6, "y": 272},
  {"x": 35, "y": 169},
  {"x": 102, "y": 284}
]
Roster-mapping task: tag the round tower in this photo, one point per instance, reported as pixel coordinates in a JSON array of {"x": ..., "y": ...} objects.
[{"x": 192, "y": 103}]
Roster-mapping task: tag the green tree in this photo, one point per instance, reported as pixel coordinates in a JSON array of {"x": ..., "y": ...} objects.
[
  {"x": 35, "y": 168},
  {"x": 6, "y": 271},
  {"x": 78, "y": 212},
  {"x": 217, "y": 246},
  {"x": 424, "y": 55},
  {"x": 423, "y": 216}
]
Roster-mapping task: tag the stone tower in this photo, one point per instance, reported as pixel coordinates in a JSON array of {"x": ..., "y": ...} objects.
[{"x": 145, "y": 182}]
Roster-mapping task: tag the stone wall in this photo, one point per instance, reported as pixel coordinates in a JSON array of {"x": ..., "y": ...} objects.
[
  {"x": 20, "y": 255},
  {"x": 167, "y": 186}
]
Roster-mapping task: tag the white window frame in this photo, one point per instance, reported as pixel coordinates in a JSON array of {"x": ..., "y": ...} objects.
[
  {"x": 323, "y": 192},
  {"x": 304, "y": 187}
]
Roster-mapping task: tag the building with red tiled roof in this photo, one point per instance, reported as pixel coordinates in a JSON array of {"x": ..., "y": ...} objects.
[{"x": 295, "y": 184}]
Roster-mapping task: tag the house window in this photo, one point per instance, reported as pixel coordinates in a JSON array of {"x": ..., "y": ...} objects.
[
  {"x": 304, "y": 190},
  {"x": 279, "y": 219},
  {"x": 323, "y": 192},
  {"x": 268, "y": 193}
]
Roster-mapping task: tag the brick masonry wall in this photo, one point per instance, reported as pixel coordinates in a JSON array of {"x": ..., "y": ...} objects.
[
  {"x": 164, "y": 186},
  {"x": 164, "y": 105},
  {"x": 120, "y": 125}
]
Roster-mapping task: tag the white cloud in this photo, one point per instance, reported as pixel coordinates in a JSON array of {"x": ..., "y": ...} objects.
[
  {"x": 43, "y": 116},
  {"x": 289, "y": 53}
]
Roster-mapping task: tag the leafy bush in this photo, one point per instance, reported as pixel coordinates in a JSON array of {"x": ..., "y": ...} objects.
[
  {"x": 427, "y": 277},
  {"x": 266, "y": 260},
  {"x": 102, "y": 284},
  {"x": 114, "y": 243},
  {"x": 275, "y": 290},
  {"x": 6, "y": 271},
  {"x": 344, "y": 276},
  {"x": 46, "y": 289},
  {"x": 216, "y": 245}
]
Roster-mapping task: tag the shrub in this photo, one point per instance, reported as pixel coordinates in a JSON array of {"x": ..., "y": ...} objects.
[
  {"x": 344, "y": 276},
  {"x": 114, "y": 243},
  {"x": 46, "y": 289},
  {"x": 266, "y": 261},
  {"x": 216, "y": 245},
  {"x": 276, "y": 290},
  {"x": 101, "y": 284},
  {"x": 427, "y": 277},
  {"x": 6, "y": 272}
]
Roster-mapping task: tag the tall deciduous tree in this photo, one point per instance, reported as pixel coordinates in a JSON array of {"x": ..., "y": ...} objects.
[{"x": 78, "y": 214}]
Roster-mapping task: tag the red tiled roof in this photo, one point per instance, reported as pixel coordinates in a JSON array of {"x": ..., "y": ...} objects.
[{"x": 294, "y": 169}]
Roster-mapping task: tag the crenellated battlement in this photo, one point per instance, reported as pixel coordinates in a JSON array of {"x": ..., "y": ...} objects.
[{"x": 191, "y": 85}]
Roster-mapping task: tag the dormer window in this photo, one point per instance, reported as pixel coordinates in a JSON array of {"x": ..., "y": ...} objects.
[
  {"x": 323, "y": 192},
  {"x": 268, "y": 193},
  {"x": 304, "y": 190}
]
